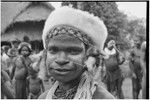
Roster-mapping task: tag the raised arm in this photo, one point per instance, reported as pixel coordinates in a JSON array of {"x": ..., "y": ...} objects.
[{"x": 120, "y": 58}]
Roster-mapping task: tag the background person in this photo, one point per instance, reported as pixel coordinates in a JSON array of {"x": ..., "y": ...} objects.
[{"x": 20, "y": 70}]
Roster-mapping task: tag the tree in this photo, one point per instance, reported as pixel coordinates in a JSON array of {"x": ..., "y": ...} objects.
[
  {"x": 137, "y": 30},
  {"x": 107, "y": 11}
]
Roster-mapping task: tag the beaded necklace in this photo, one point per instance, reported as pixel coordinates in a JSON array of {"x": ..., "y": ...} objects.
[{"x": 65, "y": 94}]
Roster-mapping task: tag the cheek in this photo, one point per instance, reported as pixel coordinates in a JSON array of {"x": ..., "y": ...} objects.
[
  {"x": 50, "y": 58},
  {"x": 77, "y": 58},
  {"x": 80, "y": 58}
]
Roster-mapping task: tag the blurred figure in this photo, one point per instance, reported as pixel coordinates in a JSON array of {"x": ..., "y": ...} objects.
[
  {"x": 135, "y": 66},
  {"x": 6, "y": 87},
  {"x": 144, "y": 69},
  {"x": 113, "y": 77},
  {"x": 35, "y": 85},
  {"x": 20, "y": 70},
  {"x": 4, "y": 58},
  {"x": 10, "y": 61}
]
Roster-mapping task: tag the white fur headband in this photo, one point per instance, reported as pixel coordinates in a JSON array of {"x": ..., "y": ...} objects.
[{"x": 91, "y": 25}]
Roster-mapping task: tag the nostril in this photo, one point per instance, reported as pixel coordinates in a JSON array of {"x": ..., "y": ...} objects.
[{"x": 62, "y": 62}]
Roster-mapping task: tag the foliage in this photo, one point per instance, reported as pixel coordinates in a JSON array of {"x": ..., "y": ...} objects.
[{"x": 137, "y": 30}]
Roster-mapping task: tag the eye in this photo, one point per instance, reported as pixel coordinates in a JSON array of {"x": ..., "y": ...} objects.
[
  {"x": 53, "y": 50},
  {"x": 74, "y": 51}
]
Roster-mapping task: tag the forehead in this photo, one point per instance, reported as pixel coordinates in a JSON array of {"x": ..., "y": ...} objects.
[{"x": 65, "y": 40}]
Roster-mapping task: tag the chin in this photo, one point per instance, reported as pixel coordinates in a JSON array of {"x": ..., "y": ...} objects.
[{"x": 63, "y": 79}]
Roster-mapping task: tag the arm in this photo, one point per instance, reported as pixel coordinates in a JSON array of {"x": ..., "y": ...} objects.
[
  {"x": 131, "y": 60},
  {"x": 13, "y": 71},
  {"x": 120, "y": 60},
  {"x": 143, "y": 63},
  {"x": 27, "y": 85},
  {"x": 42, "y": 85},
  {"x": 131, "y": 66},
  {"x": 143, "y": 57},
  {"x": 6, "y": 85}
]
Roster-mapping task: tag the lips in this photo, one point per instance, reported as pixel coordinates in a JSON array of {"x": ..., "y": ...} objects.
[{"x": 62, "y": 71}]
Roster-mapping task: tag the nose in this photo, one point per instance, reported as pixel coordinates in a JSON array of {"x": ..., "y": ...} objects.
[{"x": 62, "y": 59}]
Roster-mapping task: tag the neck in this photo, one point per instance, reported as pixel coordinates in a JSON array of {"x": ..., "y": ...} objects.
[{"x": 68, "y": 85}]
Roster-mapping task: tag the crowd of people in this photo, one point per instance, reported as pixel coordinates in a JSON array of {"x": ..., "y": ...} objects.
[
  {"x": 74, "y": 58},
  {"x": 22, "y": 80}
]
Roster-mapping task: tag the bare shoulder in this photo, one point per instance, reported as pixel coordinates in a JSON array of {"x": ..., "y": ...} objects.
[
  {"x": 102, "y": 93},
  {"x": 43, "y": 95}
]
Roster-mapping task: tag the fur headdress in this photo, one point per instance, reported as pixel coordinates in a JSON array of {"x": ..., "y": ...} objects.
[{"x": 89, "y": 24}]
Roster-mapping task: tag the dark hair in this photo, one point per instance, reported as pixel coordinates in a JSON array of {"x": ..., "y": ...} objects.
[{"x": 26, "y": 39}]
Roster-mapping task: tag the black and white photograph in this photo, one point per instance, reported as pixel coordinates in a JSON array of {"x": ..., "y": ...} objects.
[{"x": 74, "y": 49}]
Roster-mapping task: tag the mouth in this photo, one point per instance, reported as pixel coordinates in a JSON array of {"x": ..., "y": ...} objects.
[{"x": 62, "y": 71}]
